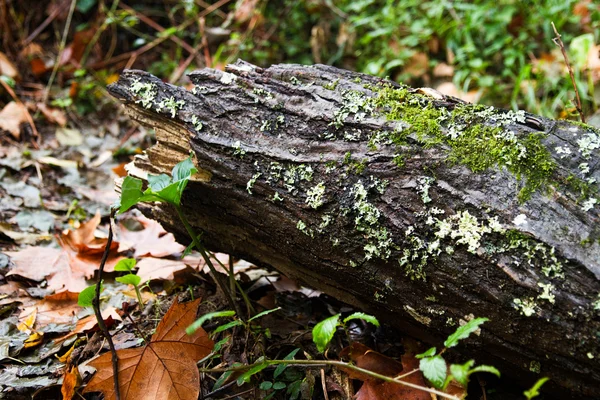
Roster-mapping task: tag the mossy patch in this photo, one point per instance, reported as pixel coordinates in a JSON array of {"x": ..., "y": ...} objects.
[{"x": 479, "y": 137}]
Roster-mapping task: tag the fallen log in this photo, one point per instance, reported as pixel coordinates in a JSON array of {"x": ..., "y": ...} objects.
[{"x": 411, "y": 205}]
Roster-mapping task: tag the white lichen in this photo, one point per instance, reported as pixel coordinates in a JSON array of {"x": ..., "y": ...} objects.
[
  {"x": 238, "y": 150},
  {"x": 520, "y": 219},
  {"x": 227, "y": 78},
  {"x": 197, "y": 123},
  {"x": 314, "y": 195},
  {"x": 526, "y": 307},
  {"x": 145, "y": 91},
  {"x": 423, "y": 185},
  {"x": 546, "y": 294},
  {"x": 589, "y": 204},
  {"x": 252, "y": 181},
  {"x": 171, "y": 105}
]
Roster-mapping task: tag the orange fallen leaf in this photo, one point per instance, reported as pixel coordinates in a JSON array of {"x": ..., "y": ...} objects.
[
  {"x": 71, "y": 381},
  {"x": 66, "y": 269},
  {"x": 163, "y": 369}
]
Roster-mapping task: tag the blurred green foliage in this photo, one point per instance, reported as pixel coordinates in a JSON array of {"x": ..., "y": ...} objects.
[{"x": 503, "y": 48}]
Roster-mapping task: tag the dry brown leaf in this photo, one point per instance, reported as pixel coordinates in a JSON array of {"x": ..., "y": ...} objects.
[
  {"x": 64, "y": 270},
  {"x": 58, "y": 309},
  {"x": 371, "y": 360},
  {"x": 11, "y": 118},
  {"x": 153, "y": 240},
  {"x": 52, "y": 114},
  {"x": 7, "y": 68},
  {"x": 89, "y": 323},
  {"x": 374, "y": 389},
  {"x": 35, "y": 263},
  {"x": 69, "y": 268},
  {"x": 449, "y": 89},
  {"x": 159, "y": 268},
  {"x": 163, "y": 369}
]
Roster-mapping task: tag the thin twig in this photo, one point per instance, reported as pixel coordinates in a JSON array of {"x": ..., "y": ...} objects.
[
  {"x": 61, "y": 49},
  {"x": 181, "y": 27},
  {"x": 320, "y": 363},
  {"x": 96, "y": 305},
  {"x": 324, "y": 384},
  {"x": 558, "y": 41}
]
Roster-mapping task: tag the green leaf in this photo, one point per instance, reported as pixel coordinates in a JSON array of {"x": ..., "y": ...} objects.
[
  {"x": 220, "y": 344},
  {"x": 198, "y": 323},
  {"x": 83, "y": 6},
  {"x": 464, "y": 331},
  {"x": 262, "y": 314},
  {"x": 131, "y": 191},
  {"x": 460, "y": 372},
  {"x": 323, "y": 332},
  {"x": 86, "y": 297},
  {"x": 246, "y": 376},
  {"x": 223, "y": 378},
  {"x": 281, "y": 367},
  {"x": 228, "y": 325},
  {"x": 434, "y": 369},
  {"x": 485, "y": 368},
  {"x": 429, "y": 353},
  {"x": 126, "y": 265},
  {"x": 158, "y": 182},
  {"x": 184, "y": 170},
  {"x": 293, "y": 389},
  {"x": 130, "y": 279},
  {"x": 365, "y": 317},
  {"x": 266, "y": 385},
  {"x": 535, "y": 389},
  {"x": 279, "y": 385}
]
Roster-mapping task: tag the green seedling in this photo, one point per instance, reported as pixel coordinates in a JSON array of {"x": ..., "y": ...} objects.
[
  {"x": 127, "y": 265},
  {"x": 323, "y": 331},
  {"x": 169, "y": 189},
  {"x": 434, "y": 366}
]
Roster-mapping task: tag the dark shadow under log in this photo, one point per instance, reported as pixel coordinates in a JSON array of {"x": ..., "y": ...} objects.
[{"x": 411, "y": 205}]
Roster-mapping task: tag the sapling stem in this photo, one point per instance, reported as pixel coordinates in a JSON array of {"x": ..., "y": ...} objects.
[{"x": 207, "y": 260}]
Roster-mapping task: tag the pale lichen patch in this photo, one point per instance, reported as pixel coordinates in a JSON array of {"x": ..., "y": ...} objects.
[
  {"x": 526, "y": 307},
  {"x": 315, "y": 195}
]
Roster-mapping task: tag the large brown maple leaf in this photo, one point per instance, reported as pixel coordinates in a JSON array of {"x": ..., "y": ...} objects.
[{"x": 163, "y": 369}]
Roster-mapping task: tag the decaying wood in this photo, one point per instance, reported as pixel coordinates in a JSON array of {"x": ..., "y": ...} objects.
[{"x": 293, "y": 175}]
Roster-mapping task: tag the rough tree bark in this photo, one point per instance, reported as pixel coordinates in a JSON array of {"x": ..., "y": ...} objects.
[{"x": 411, "y": 205}]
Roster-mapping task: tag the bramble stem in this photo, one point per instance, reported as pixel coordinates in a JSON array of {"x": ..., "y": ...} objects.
[{"x": 320, "y": 363}]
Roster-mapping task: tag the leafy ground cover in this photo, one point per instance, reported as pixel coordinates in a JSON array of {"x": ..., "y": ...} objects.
[{"x": 63, "y": 141}]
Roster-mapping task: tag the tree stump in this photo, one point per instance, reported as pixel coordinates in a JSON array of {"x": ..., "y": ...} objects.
[{"x": 414, "y": 206}]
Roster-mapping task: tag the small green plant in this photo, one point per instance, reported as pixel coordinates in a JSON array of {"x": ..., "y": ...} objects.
[
  {"x": 236, "y": 322},
  {"x": 169, "y": 189},
  {"x": 323, "y": 331},
  {"x": 434, "y": 366},
  {"x": 86, "y": 296},
  {"x": 127, "y": 265},
  {"x": 534, "y": 391}
]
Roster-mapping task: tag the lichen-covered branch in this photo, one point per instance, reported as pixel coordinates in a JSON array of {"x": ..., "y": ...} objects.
[{"x": 402, "y": 201}]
